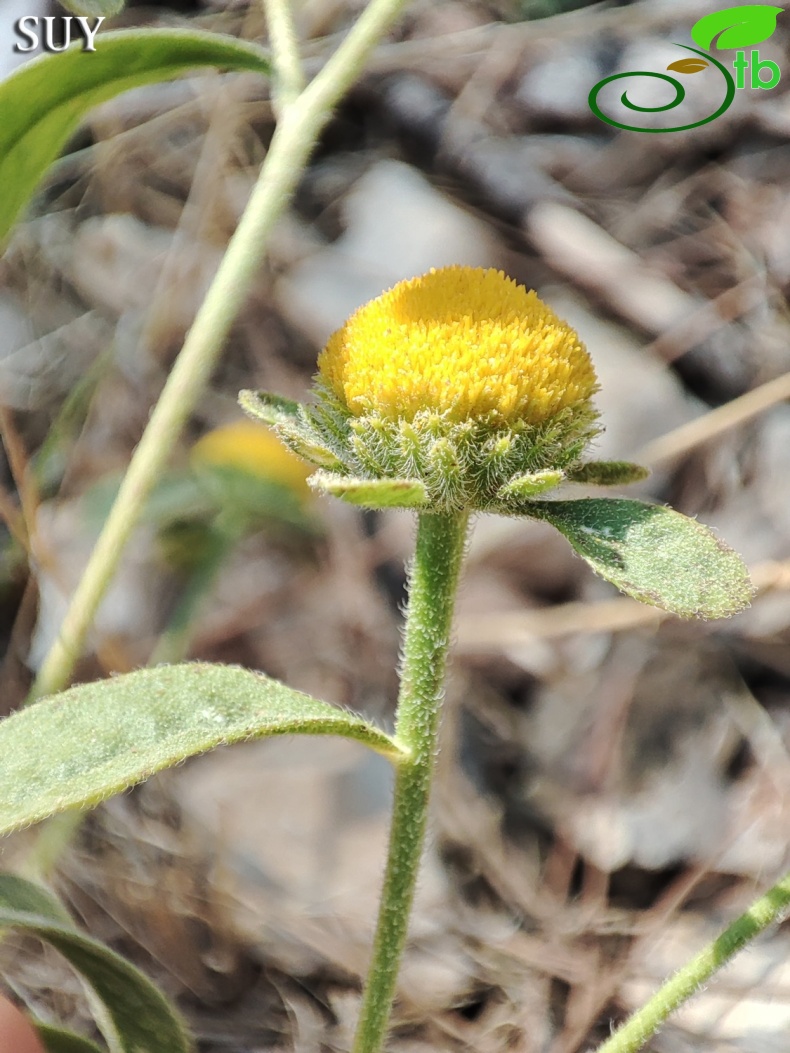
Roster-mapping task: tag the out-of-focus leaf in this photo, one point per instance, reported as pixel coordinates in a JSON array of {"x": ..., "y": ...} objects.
[
  {"x": 255, "y": 500},
  {"x": 142, "y": 1018},
  {"x": 607, "y": 473},
  {"x": 43, "y": 101},
  {"x": 58, "y": 1041}
]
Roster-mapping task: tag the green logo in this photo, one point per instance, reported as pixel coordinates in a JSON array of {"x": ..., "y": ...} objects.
[{"x": 737, "y": 27}]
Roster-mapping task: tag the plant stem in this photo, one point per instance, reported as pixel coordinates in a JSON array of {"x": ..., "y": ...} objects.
[
  {"x": 285, "y": 52},
  {"x": 291, "y": 146},
  {"x": 639, "y": 1027},
  {"x": 432, "y": 586}
]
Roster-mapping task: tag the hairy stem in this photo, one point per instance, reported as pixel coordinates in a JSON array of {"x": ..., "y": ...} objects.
[
  {"x": 292, "y": 143},
  {"x": 285, "y": 52},
  {"x": 432, "y": 587},
  {"x": 643, "y": 1024}
]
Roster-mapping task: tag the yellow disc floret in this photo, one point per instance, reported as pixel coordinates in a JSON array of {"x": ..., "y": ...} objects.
[{"x": 463, "y": 342}]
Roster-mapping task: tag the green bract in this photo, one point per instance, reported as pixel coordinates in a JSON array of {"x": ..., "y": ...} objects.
[
  {"x": 432, "y": 463},
  {"x": 436, "y": 463}
]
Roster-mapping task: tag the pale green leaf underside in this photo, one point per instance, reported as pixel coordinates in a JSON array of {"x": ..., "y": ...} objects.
[
  {"x": 80, "y": 747},
  {"x": 142, "y": 1017},
  {"x": 43, "y": 102},
  {"x": 653, "y": 553},
  {"x": 736, "y": 27},
  {"x": 372, "y": 493}
]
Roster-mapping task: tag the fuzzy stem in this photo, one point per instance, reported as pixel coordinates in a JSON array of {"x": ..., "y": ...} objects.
[
  {"x": 639, "y": 1027},
  {"x": 291, "y": 146},
  {"x": 285, "y": 52},
  {"x": 432, "y": 586}
]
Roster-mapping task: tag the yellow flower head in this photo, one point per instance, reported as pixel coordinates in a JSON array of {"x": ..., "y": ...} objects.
[
  {"x": 462, "y": 342},
  {"x": 250, "y": 447},
  {"x": 458, "y": 390}
]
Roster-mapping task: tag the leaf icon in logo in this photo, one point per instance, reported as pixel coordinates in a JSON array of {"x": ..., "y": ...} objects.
[
  {"x": 688, "y": 65},
  {"x": 737, "y": 27}
]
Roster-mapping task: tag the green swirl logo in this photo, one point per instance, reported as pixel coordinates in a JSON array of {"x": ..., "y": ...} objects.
[
  {"x": 682, "y": 66},
  {"x": 736, "y": 27}
]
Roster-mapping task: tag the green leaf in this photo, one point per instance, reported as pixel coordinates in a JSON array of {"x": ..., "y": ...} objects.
[
  {"x": 17, "y": 893},
  {"x": 607, "y": 473},
  {"x": 530, "y": 485},
  {"x": 143, "y": 1019},
  {"x": 56, "y": 1040},
  {"x": 44, "y": 100},
  {"x": 736, "y": 27},
  {"x": 372, "y": 493},
  {"x": 177, "y": 496},
  {"x": 245, "y": 496},
  {"x": 654, "y": 554},
  {"x": 92, "y": 741}
]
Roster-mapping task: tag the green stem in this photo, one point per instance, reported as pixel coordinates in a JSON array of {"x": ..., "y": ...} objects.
[
  {"x": 285, "y": 53},
  {"x": 639, "y": 1027},
  {"x": 291, "y": 146},
  {"x": 432, "y": 587}
]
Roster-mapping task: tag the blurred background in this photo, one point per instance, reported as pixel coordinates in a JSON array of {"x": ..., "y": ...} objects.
[{"x": 614, "y": 784}]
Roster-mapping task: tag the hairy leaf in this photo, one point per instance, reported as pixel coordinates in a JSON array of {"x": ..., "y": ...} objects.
[
  {"x": 43, "y": 101},
  {"x": 653, "y": 553},
  {"x": 92, "y": 741},
  {"x": 736, "y": 27},
  {"x": 141, "y": 1016}
]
